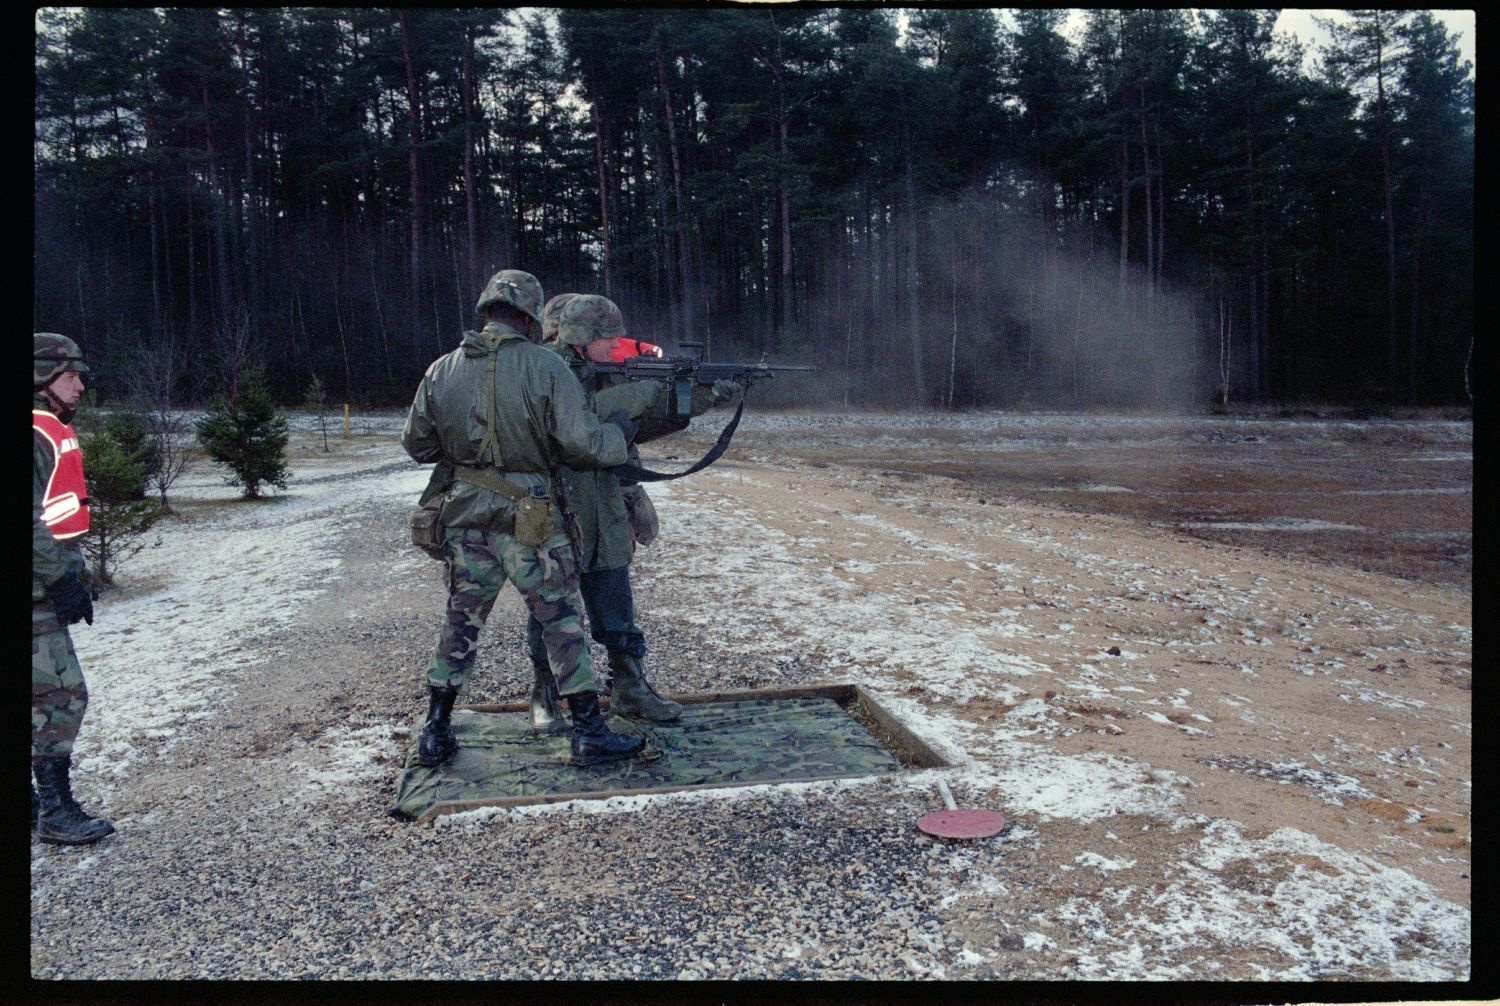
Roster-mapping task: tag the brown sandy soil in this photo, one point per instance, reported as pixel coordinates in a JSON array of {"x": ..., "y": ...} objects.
[{"x": 1270, "y": 664}]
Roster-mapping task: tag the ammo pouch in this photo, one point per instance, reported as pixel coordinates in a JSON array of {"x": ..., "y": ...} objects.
[
  {"x": 427, "y": 528},
  {"x": 642, "y": 513},
  {"x": 535, "y": 512}
]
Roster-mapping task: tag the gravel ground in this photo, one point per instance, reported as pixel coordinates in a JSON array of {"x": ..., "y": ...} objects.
[
  {"x": 223, "y": 868},
  {"x": 255, "y": 841}
]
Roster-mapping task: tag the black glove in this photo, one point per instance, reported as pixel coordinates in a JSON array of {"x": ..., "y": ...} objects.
[
  {"x": 627, "y": 425},
  {"x": 71, "y": 599},
  {"x": 724, "y": 390}
]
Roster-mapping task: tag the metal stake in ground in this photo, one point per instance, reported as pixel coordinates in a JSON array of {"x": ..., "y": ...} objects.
[{"x": 960, "y": 823}]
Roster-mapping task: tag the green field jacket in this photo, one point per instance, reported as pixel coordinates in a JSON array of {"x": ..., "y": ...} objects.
[
  {"x": 541, "y": 414},
  {"x": 603, "y": 524}
]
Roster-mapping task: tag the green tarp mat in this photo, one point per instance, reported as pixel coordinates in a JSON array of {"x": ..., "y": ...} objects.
[{"x": 500, "y": 761}]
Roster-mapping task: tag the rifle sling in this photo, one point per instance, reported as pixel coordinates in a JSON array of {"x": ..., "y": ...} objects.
[{"x": 635, "y": 473}]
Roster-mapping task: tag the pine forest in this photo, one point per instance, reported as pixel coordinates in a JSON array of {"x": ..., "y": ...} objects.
[{"x": 939, "y": 208}]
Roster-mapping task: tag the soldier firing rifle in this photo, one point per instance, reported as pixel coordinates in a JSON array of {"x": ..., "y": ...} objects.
[{"x": 682, "y": 374}]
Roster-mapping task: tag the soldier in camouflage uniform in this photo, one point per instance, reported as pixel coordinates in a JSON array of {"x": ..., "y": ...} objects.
[
  {"x": 501, "y": 405},
  {"x": 586, "y": 328},
  {"x": 59, "y": 594}
]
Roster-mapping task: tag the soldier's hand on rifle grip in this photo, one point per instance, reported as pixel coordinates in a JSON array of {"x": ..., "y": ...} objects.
[
  {"x": 71, "y": 599},
  {"x": 627, "y": 425},
  {"x": 725, "y": 391}
]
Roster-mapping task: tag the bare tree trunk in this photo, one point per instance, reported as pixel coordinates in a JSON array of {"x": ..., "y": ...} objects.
[
  {"x": 385, "y": 349},
  {"x": 913, "y": 311},
  {"x": 414, "y": 124},
  {"x": 786, "y": 233},
  {"x": 1077, "y": 328},
  {"x": 1253, "y": 328},
  {"x": 1414, "y": 335},
  {"x": 666, "y": 250},
  {"x": 1150, "y": 217},
  {"x": 460, "y": 293},
  {"x": 680, "y": 228},
  {"x": 338, "y": 320},
  {"x": 872, "y": 270},
  {"x": 953, "y": 340},
  {"x": 155, "y": 267},
  {"x": 1161, "y": 213},
  {"x": 233, "y": 346},
  {"x": 601, "y": 165},
  {"x": 1268, "y": 383},
  {"x": 216, "y": 209},
  {"x": 1390, "y": 227},
  {"x": 1225, "y": 324},
  {"x": 471, "y": 210},
  {"x": 1469, "y": 372},
  {"x": 167, "y": 271},
  {"x": 846, "y": 299},
  {"x": 252, "y": 249},
  {"x": 192, "y": 268},
  {"x": 155, "y": 368},
  {"x": 1124, "y": 208}
]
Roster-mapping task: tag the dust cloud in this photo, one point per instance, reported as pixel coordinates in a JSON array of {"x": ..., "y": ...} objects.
[{"x": 1010, "y": 312}]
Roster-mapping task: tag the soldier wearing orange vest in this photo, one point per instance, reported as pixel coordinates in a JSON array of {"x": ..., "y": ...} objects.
[{"x": 59, "y": 596}]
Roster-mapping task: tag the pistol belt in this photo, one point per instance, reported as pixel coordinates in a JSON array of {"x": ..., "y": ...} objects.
[{"x": 489, "y": 478}]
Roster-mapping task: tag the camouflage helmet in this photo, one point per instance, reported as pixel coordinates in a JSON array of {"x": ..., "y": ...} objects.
[
  {"x": 52, "y": 354},
  {"x": 552, "y": 313},
  {"x": 587, "y": 317},
  {"x": 520, "y": 290}
]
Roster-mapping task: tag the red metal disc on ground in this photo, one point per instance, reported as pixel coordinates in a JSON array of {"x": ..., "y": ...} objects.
[{"x": 962, "y": 823}]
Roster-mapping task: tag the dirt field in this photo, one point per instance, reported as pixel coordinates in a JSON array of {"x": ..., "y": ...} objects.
[
  {"x": 1284, "y": 607},
  {"x": 1216, "y": 672},
  {"x": 1389, "y": 497}
]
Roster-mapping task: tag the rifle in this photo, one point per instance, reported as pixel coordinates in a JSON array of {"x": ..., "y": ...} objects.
[{"x": 684, "y": 372}]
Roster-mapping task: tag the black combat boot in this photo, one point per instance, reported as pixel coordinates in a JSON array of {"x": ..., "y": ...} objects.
[
  {"x": 61, "y": 821},
  {"x": 593, "y": 742},
  {"x": 437, "y": 743},
  {"x": 632, "y": 695},
  {"x": 546, "y": 704}
]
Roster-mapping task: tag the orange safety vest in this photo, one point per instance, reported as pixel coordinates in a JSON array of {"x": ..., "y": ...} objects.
[{"x": 65, "y": 503}]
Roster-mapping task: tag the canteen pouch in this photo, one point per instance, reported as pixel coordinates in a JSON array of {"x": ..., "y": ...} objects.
[
  {"x": 535, "y": 518},
  {"x": 427, "y": 528}
]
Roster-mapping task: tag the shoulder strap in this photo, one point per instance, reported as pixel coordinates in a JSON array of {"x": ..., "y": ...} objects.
[
  {"x": 629, "y": 474},
  {"x": 486, "y": 476},
  {"x": 489, "y": 444}
]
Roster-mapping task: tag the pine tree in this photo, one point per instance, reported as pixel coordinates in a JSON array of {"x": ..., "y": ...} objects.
[
  {"x": 247, "y": 435},
  {"x": 119, "y": 515},
  {"x": 131, "y": 430}
]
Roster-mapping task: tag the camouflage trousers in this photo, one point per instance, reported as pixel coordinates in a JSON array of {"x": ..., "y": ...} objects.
[
  {"x": 58, "y": 694},
  {"x": 611, "y": 609},
  {"x": 478, "y": 564}
]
